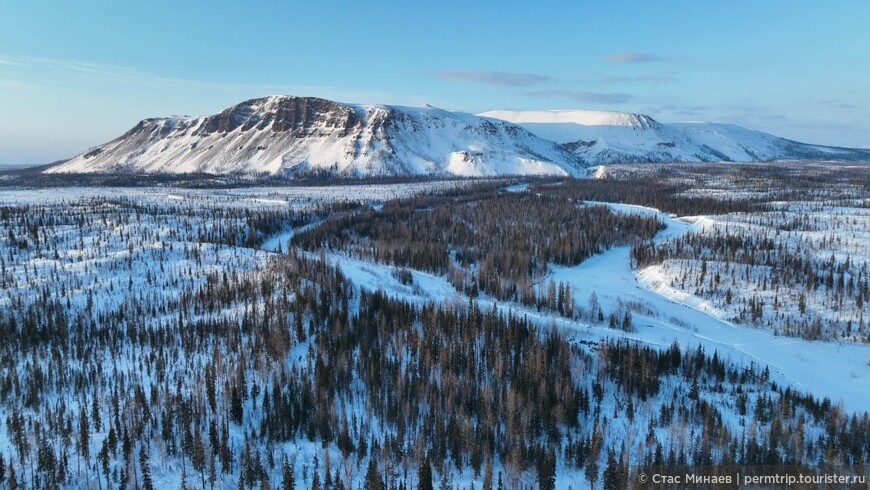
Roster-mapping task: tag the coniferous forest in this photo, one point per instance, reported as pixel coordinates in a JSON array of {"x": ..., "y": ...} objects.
[{"x": 181, "y": 337}]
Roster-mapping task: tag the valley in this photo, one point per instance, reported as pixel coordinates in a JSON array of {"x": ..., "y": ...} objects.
[{"x": 541, "y": 332}]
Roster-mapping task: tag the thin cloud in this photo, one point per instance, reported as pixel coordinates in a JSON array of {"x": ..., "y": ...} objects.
[
  {"x": 113, "y": 72},
  {"x": 8, "y": 61},
  {"x": 8, "y": 82},
  {"x": 840, "y": 104},
  {"x": 584, "y": 96},
  {"x": 679, "y": 110},
  {"x": 760, "y": 121},
  {"x": 140, "y": 79},
  {"x": 688, "y": 112},
  {"x": 652, "y": 78},
  {"x": 496, "y": 78},
  {"x": 633, "y": 57}
]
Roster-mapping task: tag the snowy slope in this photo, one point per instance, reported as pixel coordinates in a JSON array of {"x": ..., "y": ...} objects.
[
  {"x": 284, "y": 134},
  {"x": 599, "y": 137}
]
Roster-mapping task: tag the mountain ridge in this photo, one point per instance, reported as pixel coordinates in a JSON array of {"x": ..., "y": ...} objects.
[
  {"x": 598, "y": 137},
  {"x": 289, "y": 135}
]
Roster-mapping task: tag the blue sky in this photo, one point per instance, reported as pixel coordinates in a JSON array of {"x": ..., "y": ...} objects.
[{"x": 76, "y": 74}]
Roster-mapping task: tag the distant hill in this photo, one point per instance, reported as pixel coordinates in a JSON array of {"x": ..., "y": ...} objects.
[{"x": 598, "y": 137}]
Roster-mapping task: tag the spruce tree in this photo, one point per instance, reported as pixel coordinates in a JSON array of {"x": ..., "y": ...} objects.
[
  {"x": 373, "y": 477},
  {"x": 547, "y": 471},
  {"x": 287, "y": 482},
  {"x": 84, "y": 439},
  {"x": 487, "y": 475},
  {"x": 197, "y": 455},
  {"x": 237, "y": 413},
  {"x": 592, "y": 468},
  {"x": 424, "y": 475},
  {"x": 613, "y": 473},
  {"x": 147, "y": 484},
  {"x": 13, "y": 480}
]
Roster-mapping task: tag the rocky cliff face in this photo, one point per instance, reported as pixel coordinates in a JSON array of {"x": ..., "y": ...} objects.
[
  {"x": 283, "y": 134},
  {"x": 303, "y": 116}
]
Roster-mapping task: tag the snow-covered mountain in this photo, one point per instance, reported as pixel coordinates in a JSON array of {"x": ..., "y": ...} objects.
[
  {"x": 284, "y": 134},
  {"x": 598, "y": 137},
  {"x": 290, "y": 135}
]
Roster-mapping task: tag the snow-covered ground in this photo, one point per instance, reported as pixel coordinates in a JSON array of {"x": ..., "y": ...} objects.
[
  {"x": 837, "y": 370},
  {"x": 157, "y": 256},
  {"x": 662, "y": 315},
  {"x": 246, "y": 197}
]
